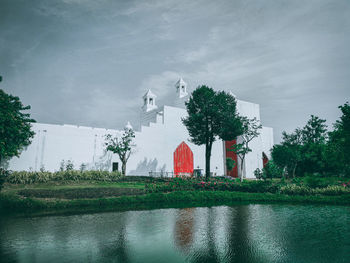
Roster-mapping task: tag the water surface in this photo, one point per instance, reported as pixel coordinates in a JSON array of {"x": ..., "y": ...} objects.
[{"x": 242, "y": 233}]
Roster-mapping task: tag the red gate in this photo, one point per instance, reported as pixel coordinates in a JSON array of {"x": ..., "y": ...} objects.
[{"x": 183, "y": 160}]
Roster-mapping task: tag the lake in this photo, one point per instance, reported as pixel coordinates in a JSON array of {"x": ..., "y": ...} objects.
[{"x": 240, "y": 233}]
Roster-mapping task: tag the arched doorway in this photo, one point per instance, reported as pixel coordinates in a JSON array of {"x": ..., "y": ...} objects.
[{"x": 183, "y": 160}]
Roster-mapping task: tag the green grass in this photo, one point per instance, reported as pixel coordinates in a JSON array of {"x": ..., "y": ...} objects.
[
  {"x": 10, "y": 202},
  {"x": 128, "y": 194}
]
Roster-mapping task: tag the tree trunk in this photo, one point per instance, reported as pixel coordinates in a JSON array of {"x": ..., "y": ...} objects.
[
  {"x": 123, "y": 167},
  {"x": 242, "y": 169},
  {"x": 295, "y": 167},
  {"x": 207, "y": 160}
]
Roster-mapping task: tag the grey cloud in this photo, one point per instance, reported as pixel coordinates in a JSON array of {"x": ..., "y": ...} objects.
[{"x": 89, "y": 62}]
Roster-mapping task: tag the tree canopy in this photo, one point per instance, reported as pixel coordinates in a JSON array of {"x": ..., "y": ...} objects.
[
  {"x": 313, "y": 150},
  {"x": 211, "y": 115},
  {"x": 15, "y": 127}
]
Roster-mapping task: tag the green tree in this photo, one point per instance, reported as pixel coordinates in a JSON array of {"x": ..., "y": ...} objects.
[
  {"x": 15, "y": 127},
  {"x": 250, "y": 130},
  {"x": 314, "y": 138},
  {"x": 303, "y": 151},
  {"x": 288, "y": 155},
  {"x": 121, "y": 146},
  {"x": 339, "y": 142},
  {"x": 211, "y": 115}
]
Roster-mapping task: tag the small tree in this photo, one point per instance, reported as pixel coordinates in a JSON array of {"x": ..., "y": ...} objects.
[
  {"x": 69, "y": 165},
  {"x": 121, "y": 146},
  {"x": 15, "y": 127},
  {"x": 211, "y": 115},
  {"x": 250, "y": 128}
]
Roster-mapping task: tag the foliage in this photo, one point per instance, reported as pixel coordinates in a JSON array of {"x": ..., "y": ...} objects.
[
  {"x": 80, "y": 192},
  {"x": 230, "y": 164},
  {"x": 15, "y": 127},
  {"x": 303, "y": 151},
  {"x": 211, "y": 115},
  {"x": 339, "y": 143},
  {"x": 122, "y": 147},
  {"x": 259, "y": 174},
  {"x": 250, "y": 130},
  {"x": 25, "y": 177},
  {"x": 69, "y": 165},
  {"x": 271, "y": 170},
  {"x": 293, "y": 189},
  {"x": 3, "y": 176},
  {"x": 213, "y": 184}
]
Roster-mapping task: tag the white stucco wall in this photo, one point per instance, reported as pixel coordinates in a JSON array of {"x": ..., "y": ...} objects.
[{"x": 161, "y": 131}]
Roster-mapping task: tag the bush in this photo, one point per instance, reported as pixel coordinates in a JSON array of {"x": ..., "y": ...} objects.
[
  {"x": 305, "y": 190},
  {"x": 271, "y": 170},
  {"x": 213, "y": 184},
  {"x": 293, "y": 189},
  {"x": 25, "y": 177},
  {"x": 3, "y": 175},
  {"x": 80, "y": 193}
]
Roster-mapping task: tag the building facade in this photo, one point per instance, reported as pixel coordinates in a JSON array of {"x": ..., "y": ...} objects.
[{"x": 162, "y": 143}]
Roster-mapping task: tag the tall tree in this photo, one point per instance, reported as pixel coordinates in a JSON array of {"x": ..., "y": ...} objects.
[
  {"x": 211, "y": 115},
  {"x": 121, "y": 146},
  {"x": 15, "y": 127},
  {"x": 250, "y": 130},
  {"x": 339, "y": 141},
  {"x": 287, "y": 155}
]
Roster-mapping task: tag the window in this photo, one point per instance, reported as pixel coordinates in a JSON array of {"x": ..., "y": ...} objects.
[
  {"x": 183, "y": 88},
  {"x": 145, "y": 100},
  {"x": 151, "y": 101}
]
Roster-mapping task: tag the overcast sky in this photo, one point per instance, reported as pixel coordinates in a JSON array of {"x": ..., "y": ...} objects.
[{"x": 88, "y": 62}]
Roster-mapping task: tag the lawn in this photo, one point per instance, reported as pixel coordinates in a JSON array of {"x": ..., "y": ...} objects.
[{"x": 139, "y": 191}]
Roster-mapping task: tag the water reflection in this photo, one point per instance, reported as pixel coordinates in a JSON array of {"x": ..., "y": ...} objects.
[
  {"x": 243, "y": 233},
  {"x": 184, "y": 228}
]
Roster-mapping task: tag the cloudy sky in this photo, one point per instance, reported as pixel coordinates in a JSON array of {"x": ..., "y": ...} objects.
[{"x": 88, "y": 62}]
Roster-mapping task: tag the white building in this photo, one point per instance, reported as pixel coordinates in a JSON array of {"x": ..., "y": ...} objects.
[{"x": 161, "y": 132}]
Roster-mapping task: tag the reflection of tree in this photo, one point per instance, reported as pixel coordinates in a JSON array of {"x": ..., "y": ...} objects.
[
  {"x": 118, "y": 249},
  {"x": 239, "y": 248},
  {"x": 7, "y": 253},
  {"x": 184, "y": 228},
  {"x": 209, "y": 252}
]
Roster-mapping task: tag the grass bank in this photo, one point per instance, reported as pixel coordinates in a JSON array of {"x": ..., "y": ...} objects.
[{"x": 10, "y": 202}]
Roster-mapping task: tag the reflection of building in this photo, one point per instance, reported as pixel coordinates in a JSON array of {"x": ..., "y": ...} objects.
[
  {"x": 183, "y": 233},
  {"x": 159, "y": 134}
]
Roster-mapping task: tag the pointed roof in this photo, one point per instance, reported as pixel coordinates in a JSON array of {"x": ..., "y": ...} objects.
[
  {"x": 180, "y": 81},
  {"x": 149, "y": 93}
]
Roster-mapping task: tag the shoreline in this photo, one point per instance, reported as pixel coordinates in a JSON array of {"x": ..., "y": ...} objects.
[{"x": 12, "y": 204}]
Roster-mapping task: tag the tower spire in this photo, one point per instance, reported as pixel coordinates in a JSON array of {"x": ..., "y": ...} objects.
[
  {"x": 149, "y": 101},
  {"x": 181, "y": 88}
]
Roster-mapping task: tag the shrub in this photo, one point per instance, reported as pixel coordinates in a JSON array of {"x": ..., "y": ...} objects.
[
  {"x": 214, "y": 184},
  {"x": 3, "y": 176},
  {"x": 271, "y": 170},
  {"x": 293, "y": 189},
  {"x": 25, "y": 177},
  {"x": 80, "y": 193},
  {"x": 259, "y": 174},
  {"x": 305, "y": 190}
]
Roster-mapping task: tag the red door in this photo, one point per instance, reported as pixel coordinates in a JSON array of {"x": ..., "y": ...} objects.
[
  {"x": 183, "y": 160},
  {"x": 233, "y": 156}
]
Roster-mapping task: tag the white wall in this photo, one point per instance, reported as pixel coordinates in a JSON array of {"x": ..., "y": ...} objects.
[{"x": 155, "y": 145}]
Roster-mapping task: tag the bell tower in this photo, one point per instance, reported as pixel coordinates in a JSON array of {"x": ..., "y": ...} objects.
[
  {"x": 149, "y": 101},
  {"x": 181, "y": 88}
]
